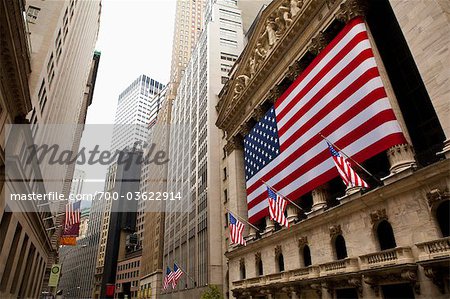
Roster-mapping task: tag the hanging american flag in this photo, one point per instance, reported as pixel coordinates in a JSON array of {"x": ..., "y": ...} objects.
[
  {"x": 348, "y": 175},
  {"x": 341, "y": 95},
  {"x": 277, "y": 206},
  {"x": 236, "y": 231},
  {"x": 177, "y": 273},
  {"x": 72, "y": 213},
  {"x": 167, "y": 278}
]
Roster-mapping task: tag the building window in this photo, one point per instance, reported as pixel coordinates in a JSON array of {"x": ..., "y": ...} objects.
[
  {"x": 442, "y": 213},
  {"x": 280, "y": 262},
  {"x": 32, "y": 14},
  {"x": 385, "y": 235},
  {"x": 340, "y": 247},
  {"x": 259, "y": 264},
  {"x": 242, "y": 269},
  {"x": 306, "y": 254},
  {"x": 225, "y": 175},
  {"x": 225, "y": 195}
]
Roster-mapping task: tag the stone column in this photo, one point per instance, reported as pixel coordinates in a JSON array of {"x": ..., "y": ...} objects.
[
  {"x": 237, "y": 194},
  {"x": 427, "y": 32},
  {"x": 319, "y": 197},
  {"x": 401, "y": 157},
  {"x": 292, "y": 213},
  {"x": 270, "y": 225}
]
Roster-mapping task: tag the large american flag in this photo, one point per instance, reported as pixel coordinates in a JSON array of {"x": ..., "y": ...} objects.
[
  {"x": 167, "y": 278},
  {"x": 72, "y": 213},
  {"x": 236, "y": 231},
  {"x": 277, "y": 206},
  {"x": 339, "y": 95},
  {"x": 177, "y": 273},
  {"x": 343, "y": 166}
]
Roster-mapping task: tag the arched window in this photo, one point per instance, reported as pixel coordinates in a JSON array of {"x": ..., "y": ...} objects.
[
  {"x": 306, "y": 256},
  {"x": 442, "y": 213},
  {"x": 242, "y": 269},
  {"x": 340, "y": 248},
  {"x": 385, "y": 235},
  {"x": 280, "y": 262},
  {"x": 260, "y": 268}
]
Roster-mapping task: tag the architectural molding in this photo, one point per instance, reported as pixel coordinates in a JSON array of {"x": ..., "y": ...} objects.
[
  {"x": 335, "y": 230},
  {"x": 351, "y": 9},
  {"x": 278, "y": 250},
  {"x": 235, "y": 143},
  {"x": 278, "y": 24},
  {"x": 378, "y": 216},
  {"x": 302, "y": 241},
  {"x": 318, "y": 43},
  {"x": 437, "y": 195}
]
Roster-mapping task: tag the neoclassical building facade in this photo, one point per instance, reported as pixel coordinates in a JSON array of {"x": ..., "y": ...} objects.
[{"x": 388, "y": 242}]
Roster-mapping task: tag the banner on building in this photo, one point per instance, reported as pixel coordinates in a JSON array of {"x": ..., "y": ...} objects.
[
  {"x": 68, "y": 240},
  {"x": 54, "y": 275}
]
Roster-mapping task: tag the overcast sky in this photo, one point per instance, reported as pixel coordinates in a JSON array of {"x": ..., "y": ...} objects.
[{"x": 135, "y": 38}]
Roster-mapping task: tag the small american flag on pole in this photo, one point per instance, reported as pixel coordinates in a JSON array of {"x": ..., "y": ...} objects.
[
  {"x": 277, "y": 206},
  {"x": 72, "y": 213},
  {"x": 167, "y": 278},
  {"x": 177, "y": 273},
  {"x": 236, "y": 231},
  {"x": 348, "y": 175}
]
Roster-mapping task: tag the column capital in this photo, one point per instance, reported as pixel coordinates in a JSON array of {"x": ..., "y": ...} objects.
[
  {"x": 234, "y": 143},
  {"x": 351, "y": 9},
  {"x": 318, "y": 43}
]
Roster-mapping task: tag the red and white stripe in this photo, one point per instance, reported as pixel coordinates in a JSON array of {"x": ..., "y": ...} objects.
[
  {"x": 72, "y": 215},
  {"x": 340, "y": 95},
  {"x": 276, "y": 210},
  {"x": 237, "y": 233},
  {"x": 348, "y": 175},
  {"x": 176, "y": 276},
  {"x": 166, "y": 282}
]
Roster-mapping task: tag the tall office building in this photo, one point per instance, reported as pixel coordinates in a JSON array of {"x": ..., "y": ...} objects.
[
  {"x": 189, "y": 21},
  {"x": 110, "y": 183},
  {"x": 47, "y": 49},
  {"x": 151, "y": 217},
  {"x": 137, "y": 107},
  {"x": 149, "y": 173},
  {"x": 192, "y": 230}
]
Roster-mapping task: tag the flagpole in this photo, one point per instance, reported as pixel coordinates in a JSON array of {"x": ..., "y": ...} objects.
[
  {"x": 293, "y": 203},
  {"x": 184, "y": 271},
  {"x": 243, "y": 219},
  {"x": 359, "y": 165}
]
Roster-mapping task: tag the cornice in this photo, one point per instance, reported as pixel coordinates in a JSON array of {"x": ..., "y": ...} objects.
[{"x": 15, "y": 58}]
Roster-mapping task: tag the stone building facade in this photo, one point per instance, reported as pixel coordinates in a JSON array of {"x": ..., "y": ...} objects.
[{"x": 391, "y": 241}]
